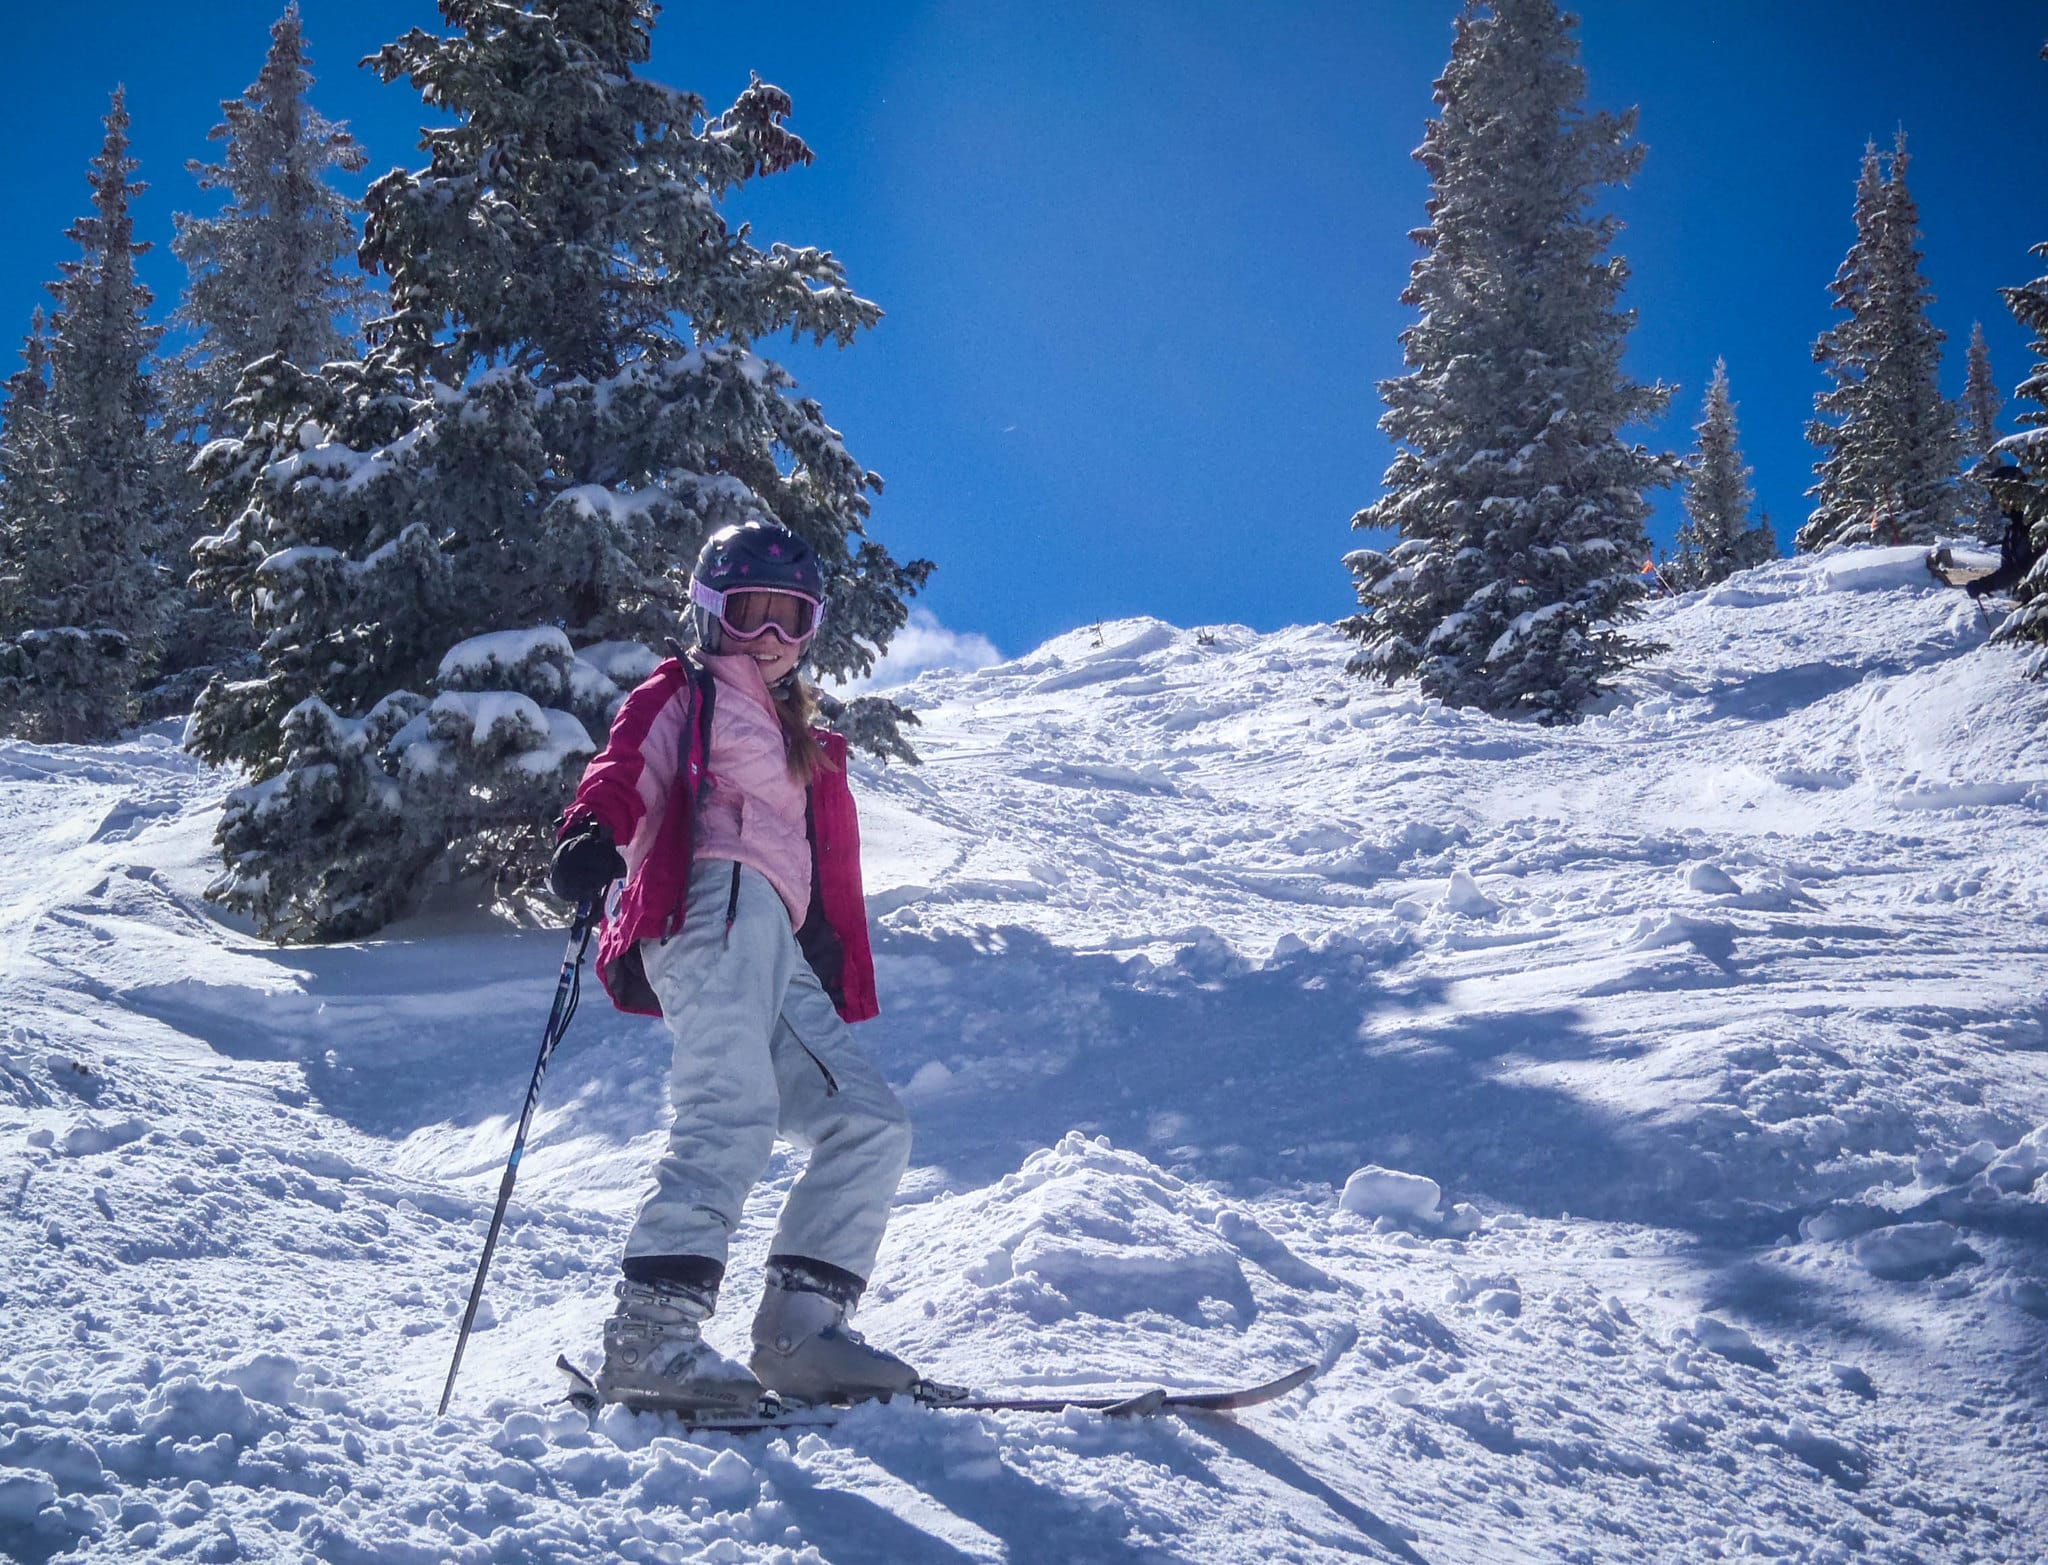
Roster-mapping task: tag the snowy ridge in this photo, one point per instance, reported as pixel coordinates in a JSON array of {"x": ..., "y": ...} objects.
[{"x": 1719, "y": 1023}]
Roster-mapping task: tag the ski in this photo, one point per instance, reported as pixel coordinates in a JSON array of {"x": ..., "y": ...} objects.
[
  {"x": 1152, "y": 1402},
  {"x": 1148, "y": 1403}
]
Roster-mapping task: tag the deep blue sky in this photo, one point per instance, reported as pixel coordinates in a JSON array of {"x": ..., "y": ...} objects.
[{"x": 1141, "y": 261}]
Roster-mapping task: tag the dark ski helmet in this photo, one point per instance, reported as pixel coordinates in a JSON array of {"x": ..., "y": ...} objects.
[{"x": 752, "y": 556}]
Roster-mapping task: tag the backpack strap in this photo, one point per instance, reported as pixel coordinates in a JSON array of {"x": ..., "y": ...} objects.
[{"x": 705, "y": 692}]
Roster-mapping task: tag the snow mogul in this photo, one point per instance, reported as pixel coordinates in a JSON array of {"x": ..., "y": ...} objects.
[{"x": 726, "y": 814}]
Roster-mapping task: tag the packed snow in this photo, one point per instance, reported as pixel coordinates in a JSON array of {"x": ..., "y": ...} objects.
[{"x": 1642, "y": 1124}]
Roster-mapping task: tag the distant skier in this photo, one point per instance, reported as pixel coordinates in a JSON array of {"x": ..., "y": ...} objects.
[
  {"x": 742, "y": 924},
  {"x": 2016, "y": 557}
]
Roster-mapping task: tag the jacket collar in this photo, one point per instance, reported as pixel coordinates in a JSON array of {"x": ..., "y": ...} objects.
[{"x": 736, "y": 671}]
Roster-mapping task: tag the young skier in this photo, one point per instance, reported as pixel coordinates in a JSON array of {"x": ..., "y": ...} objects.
[{"x": 741, "y": 923}]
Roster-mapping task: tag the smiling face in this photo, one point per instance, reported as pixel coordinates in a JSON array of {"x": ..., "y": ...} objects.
[
  {"x": 772, "y": 657},
  {"x": 767, "y": 613}
]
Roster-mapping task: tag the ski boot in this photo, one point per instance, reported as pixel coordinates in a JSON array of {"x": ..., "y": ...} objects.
[
  {"x": 805, "y": 1352},
  {"x": 655, "y": 1357}
]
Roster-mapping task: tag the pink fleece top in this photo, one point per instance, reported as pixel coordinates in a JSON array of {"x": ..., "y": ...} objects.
[{"x": 753, "y": 811}]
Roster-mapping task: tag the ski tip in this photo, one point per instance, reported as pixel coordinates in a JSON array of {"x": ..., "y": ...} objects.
[
  {"x": 1294, "y": 1378},
  {"x": 1249, "y": 1396}
]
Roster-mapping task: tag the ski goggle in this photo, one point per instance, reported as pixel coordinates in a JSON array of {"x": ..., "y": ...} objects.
[{"x": 749, "y": 613}]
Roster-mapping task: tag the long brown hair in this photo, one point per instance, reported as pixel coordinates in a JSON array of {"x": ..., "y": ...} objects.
[{"x": 796, "y": 708}]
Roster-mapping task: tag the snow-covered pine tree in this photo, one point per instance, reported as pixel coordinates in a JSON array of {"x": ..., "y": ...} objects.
[
  {"x": 1927, "y": 442},
  {"x": 26, "y": 458},
  {"x": 1718, "y": 538},
  {"x": 2027, "y": 449},
  {"x": 1850, "y": 487},
  {"x": 27, "y": 495},
  {"x": 1979, "y": 413},
  {"x": 2025, "y": 490},
  {"x": 1519, "y": 503},
  {"x": 1889, "y": 439},
  {"x": 273, "y": 272},
  {"x": 460, "y": 547},
  {"x": 81, "y": 557}
]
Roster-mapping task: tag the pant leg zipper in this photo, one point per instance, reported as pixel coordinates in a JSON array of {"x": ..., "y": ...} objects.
[{"x": 831, "y": 1081}]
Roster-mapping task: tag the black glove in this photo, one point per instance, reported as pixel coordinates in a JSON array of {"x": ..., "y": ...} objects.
[{"x": 586, "y": 861}]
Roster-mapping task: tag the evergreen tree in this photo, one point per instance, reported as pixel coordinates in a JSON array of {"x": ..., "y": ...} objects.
[
  {"x": 27, "y": 459},
  {"x": 82, "y": 564},
  {"x": 2022, "y": 467},
  {"x": 460, "y": 546},
  {"x": 1889, "y": 439},
  {"x": 2025, "y": 493},
  {"x": 1979, "y": 411},
  {"x": 1519, "y": 504},
  {"x": 1926, "y": 439},
  {"x": 272, "y": 273},
  {"x": 1850, "y": 487},
  {"x": 1718, "y": 539}
]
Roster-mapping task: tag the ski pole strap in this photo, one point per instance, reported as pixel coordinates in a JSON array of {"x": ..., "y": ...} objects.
[{"x": 568, "y": 989}]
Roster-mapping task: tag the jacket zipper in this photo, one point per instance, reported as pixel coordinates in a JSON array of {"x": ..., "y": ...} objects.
[{"x": 700, "y": 720}]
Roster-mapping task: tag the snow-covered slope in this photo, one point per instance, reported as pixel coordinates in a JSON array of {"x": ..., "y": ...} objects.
[{"x": 1721, "y": 1022}]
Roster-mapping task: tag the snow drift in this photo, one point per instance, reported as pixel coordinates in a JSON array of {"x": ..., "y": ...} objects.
[{"x": 1712, "y": 1029}]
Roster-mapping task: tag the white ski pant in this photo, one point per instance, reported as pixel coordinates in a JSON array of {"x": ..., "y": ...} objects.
[{"x": 759, "y": 1049}]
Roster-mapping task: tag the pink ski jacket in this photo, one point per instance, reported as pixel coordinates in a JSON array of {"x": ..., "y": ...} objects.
[
  {"x": 646, "y": 785},
  {"x": 754, "y": 811}
]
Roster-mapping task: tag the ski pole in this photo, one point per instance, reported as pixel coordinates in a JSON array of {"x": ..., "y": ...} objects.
[{"x": 567, "y": 989}]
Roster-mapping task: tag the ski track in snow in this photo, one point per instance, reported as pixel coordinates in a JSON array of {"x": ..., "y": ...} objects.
[{"x": 1719, "y": 1019}]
